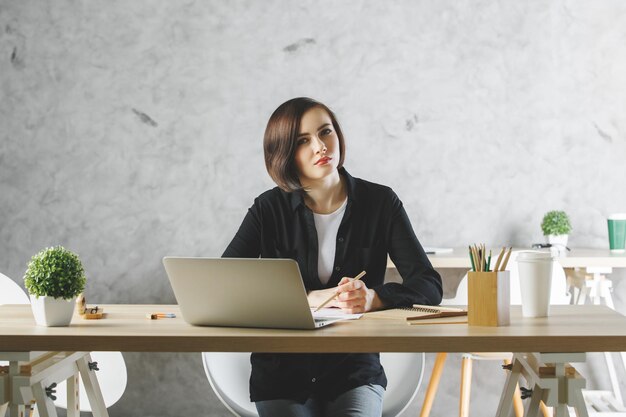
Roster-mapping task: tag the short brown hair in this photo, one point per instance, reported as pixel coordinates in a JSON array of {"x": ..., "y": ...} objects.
[{"x": 279, "y": 142}]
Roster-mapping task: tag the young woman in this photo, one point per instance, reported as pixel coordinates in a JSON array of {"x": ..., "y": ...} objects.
[{"x": 334, "y": 226}]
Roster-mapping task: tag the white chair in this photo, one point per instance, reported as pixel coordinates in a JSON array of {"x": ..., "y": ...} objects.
[
  {"x": 112, "y": 375},
  {"x": 229, "y": 374},
  {"x": 558, "y": 296},
  {"x": 10, "y": 292}
]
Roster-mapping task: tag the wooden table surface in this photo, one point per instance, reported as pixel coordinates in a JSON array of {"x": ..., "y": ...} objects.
[
  {"x": 568, "y": 329},
  {"x": 576, "y": 258}
]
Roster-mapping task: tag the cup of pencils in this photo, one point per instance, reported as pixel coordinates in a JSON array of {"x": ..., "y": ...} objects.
[{"x": 489, "y": 290}]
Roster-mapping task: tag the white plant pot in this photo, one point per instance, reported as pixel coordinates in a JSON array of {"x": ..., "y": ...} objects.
[
  {"x": 557, "y": 240},
  {"x": 52, "y": 312}
]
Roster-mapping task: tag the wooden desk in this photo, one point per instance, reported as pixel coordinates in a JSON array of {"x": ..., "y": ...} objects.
[
  {"x": 568, "y": 329},
  {"x": 564, "y": 336},
  {"x": 576, "y": 258}
]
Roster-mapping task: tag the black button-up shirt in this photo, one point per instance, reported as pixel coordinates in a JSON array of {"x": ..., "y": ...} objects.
[{"x": 280, "y": 225}]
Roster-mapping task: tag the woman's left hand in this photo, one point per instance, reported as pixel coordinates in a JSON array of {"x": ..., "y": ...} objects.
[{"x": 354, "y": 297}]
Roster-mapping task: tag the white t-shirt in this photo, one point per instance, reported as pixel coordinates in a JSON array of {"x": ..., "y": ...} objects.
[{"x": 327, "y": 226}]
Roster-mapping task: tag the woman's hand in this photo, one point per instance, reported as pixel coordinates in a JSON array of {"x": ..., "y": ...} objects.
[
  {"x": 351, "y": 296},
  {"x": 354, "y": 297},
  {"x": 317, "y": 297}
]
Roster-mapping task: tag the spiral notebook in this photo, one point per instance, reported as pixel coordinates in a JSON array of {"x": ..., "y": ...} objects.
[{"x": 422, "y": 314}]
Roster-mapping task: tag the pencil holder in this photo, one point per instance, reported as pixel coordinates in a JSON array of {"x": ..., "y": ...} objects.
[{"x": 488, "y": 298}]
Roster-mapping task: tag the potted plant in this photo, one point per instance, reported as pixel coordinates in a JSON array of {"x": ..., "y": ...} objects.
[
  {"x": 55, "y": 276},
  {"x": 556, "y": 227}
]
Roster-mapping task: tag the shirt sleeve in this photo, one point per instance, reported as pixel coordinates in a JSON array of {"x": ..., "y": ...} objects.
[
  {"x": 247, "y": 240},
  {"x": 421, "y": 284}
]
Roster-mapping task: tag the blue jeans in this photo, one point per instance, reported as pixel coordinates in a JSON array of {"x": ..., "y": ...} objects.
[{"x": 363, "y": 401}]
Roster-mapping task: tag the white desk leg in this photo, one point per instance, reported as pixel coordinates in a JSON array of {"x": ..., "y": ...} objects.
[
  {"x": 73, "y": 398},
  {"x": 532, "y": 410},
  {"x": 582, "y": 296},
  {"x": 15, "y": 409},
  {"x": 552, "y": 379},
  {"x": 506, "y": 399},
  {"x": 45, "y": 406},
  {"x": 616, "y": 390},
  {"x": 576, "y": 399},
  {"x": 613, "y": 376},
  {"x": 92, "y": 387},
  {"x": 4, "y": 401},
  {"x": 602, "y": 290}
]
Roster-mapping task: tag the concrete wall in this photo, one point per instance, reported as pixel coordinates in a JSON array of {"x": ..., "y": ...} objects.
[{"x": 132, "y": 130}]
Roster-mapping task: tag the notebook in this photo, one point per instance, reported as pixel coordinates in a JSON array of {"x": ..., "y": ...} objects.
[
  {"x": 436, "y": 251},
  {"x": 244, "y": 293},
  {"x": 438, "y": 320},
  {"x": 420, "y": 312}
]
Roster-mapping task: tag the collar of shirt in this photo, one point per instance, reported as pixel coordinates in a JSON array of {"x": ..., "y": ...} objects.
[{"x": 297, "y": 197}]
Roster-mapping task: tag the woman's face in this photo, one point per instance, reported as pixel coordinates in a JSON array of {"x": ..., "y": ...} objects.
[{"x": 317, "y": 146}]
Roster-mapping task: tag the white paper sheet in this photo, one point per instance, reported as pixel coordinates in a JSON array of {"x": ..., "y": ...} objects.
[{"x": 334, "y": 313}]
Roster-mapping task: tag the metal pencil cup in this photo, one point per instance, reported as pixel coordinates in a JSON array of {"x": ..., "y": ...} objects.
[{"x": 489, "y": 298}]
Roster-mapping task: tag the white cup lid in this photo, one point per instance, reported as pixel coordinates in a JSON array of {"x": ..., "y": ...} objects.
[
  {"x": 532, "y": 256},
  {"x": 617, "y": 216}
]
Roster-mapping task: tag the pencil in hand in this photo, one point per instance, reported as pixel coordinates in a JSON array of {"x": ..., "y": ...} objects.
[{"x": 358, "y": 277}]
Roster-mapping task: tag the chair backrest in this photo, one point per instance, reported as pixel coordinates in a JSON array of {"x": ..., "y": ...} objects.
[
  {"x": 558, "y": 292},
  {"x": 460, "y": 296},
  {"x": 229, "y": 373},
  {"x": 404, "y": 376},
  {"x": 112, "y": 378},
  {"x": 10, "y": 292}
]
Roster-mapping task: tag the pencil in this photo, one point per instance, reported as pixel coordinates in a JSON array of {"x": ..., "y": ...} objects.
[
  {"x": 475, "y": 256},
  {"x": 358, "y": 277},
  {"x": 471, "y": 258},
  {"x": 506, "y": 259},
  {"x": 499, "y": 260},
  {"x": 482, "y": 257}
]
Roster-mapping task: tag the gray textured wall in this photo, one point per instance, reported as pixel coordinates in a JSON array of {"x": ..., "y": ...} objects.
[{"x": 132, "y": 130}]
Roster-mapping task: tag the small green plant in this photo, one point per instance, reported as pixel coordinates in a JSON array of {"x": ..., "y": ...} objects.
[
  {"x": 55, "y": 272},
  {"x": 556, "y": 223}
]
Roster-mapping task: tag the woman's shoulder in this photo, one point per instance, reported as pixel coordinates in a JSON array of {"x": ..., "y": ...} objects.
[
  {"x": 373, "y": 194},
  {"x": 372, "y": 189},
  {"x": 273, "y": 197}
]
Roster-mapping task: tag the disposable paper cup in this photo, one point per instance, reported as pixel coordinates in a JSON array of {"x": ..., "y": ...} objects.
[
  {"x": 617, "y": 232},
  {"x": 535, "y": 280}
]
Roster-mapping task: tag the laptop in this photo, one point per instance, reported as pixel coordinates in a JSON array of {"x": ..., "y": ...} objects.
[{"x": 241, "y": 292}]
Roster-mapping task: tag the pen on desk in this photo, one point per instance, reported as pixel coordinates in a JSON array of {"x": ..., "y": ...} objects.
[
  {"x": 154, "y": 316},
  {"x": 358, "y": 277}
]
